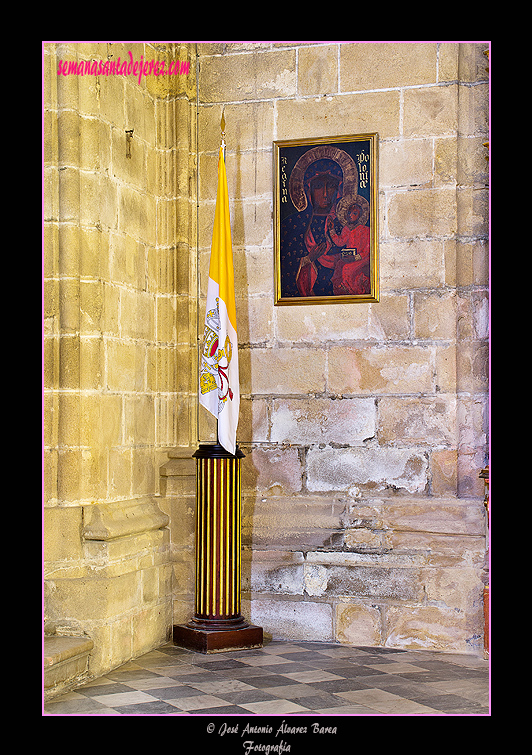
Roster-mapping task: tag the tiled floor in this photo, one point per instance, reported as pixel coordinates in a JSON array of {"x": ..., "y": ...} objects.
[{"x": 286, "y": 678}]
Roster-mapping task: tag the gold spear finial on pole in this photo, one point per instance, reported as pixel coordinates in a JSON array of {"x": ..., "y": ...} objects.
[{"x": 222, "y": 128}]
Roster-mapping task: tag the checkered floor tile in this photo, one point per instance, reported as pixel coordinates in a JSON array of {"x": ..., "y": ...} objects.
[{"x": 286, "y": 678}]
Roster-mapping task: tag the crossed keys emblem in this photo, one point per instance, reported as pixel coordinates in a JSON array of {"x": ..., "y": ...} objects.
[{"x": 215, "y": 360}]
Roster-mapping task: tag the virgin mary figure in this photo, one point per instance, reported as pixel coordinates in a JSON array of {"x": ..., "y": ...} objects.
[{"x": 309, "y": 253}]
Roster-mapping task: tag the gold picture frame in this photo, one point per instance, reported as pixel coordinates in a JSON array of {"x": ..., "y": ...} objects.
[{"x": 326, "y": 242}]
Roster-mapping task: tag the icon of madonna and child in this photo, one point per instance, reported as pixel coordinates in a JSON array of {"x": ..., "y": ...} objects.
[{"x": 326, "y": 245}]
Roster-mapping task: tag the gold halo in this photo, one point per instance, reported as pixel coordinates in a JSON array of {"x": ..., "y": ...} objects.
[
  {"x": 345, "y": 203},
  {"x": 340, "y": 156}
]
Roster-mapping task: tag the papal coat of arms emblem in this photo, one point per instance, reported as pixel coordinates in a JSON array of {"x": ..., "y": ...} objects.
[{"x": 215, "y": 359}]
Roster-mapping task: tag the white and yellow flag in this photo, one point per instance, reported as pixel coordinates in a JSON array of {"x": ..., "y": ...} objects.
[{"x": 219, "y": 388}]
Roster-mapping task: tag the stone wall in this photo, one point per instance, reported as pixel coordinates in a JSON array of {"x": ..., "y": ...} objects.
[
  {"x": 364, "y": 425},
  {"x": 119, "y": 213}
]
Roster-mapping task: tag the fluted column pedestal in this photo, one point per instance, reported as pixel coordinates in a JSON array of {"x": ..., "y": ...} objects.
[{"x": 217, "y": 624}]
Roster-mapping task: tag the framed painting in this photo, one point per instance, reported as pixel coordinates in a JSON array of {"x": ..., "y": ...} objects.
[{"x": 326, "y": 245}]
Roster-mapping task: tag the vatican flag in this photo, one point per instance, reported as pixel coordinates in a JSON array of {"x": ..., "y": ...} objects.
[{"x": 219, "y": 388}]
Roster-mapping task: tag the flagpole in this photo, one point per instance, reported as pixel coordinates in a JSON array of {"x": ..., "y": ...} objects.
[
  {"x": 217, "y": 624},
  {"x": 222, "y": 144}
]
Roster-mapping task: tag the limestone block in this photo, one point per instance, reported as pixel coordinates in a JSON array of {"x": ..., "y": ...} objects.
[
  {"x": 132, "y": 553},
  {"x": 347, "y": 559},
  {"x": 473, "y": 315},
  {"x": 358, "y": 513},
  {"x": 182, "y": 609},
  {"x": 358, "y": 624},
  {"x": 469, "y": 462},
  {"x": 440, "y": 549},
  {"x": 387, "y": 320},
  {"x": 314, "y": 420},
  {"x": 119, "y": 472},
  {"x": 367, "y": 112},
  {"x": 93, "y": 600},
  {"x": 252, "y": 276},
  {"x": 137, "y": 314},
  {"x": 173, "y": 425},
  {"x": 143, "y": 474},
  {"x": 405, "y": 163},
  {"x": 435, "y": 315},
  {"x": 253, "y": 423},
  {"x": 443, "y": 467},
  {"x": 473, "y": 366},
  {"x": 317, "y": 70},
  {"x": 69, "y": 188},
  {"x": 439, "y": 515},
  {"x": 446, "y": 368},
  {"x": 83, "y": 251},
  {"x": 252, "y": 222},
  {"x": 431, "y": 111},
  {"x": 459, "y": 588},
  {"x": 474, "y": 104},
  {"x": 395, "y": 369},
  {"x": 438, "y": 628},
  {"x": 132, "y": 169},
  {"x": 255, "y": 320},
  {"x": 448, "y": 61},
  {"x": 68, "y": 137},
  {"x": 61, "y": 539},
  {"x": 181, "y": 510},
  {"x": 125, "y": 255},
  {"x": 297, "y": 522},
  {"x": 252, "y": 76},
  {"x": 126, "y": 366},
  {"x": 65, "y": 662},
  {"x": 275, "y": 469},
  {"x": 410, "y": 63},
  {"x": 363, "y": 538},
  {"x": 181, "y": 464},
  {"x": 422, "y": 213},
  {"x": 183, "y": 575},
  {"x": 273, "y": 571},
  {"x": 163, "y": 373},
  {"x": 80, "y": 474},
  {"x": 296, "y": 620},
  {"x": 108, "y": 521},
  {"x": 376, "y": 468},
  {"x": 417, "y": 263},
  {"x": 93, "y": 208},
  {"x": 138, "y": 214},
  {"x": 150, "y": 629},
  {"x": 306, "y": 324},
  {"x": 113, "y": 642},
  {"x": 421, "y": 421},
  {"x": 174, "y": 85},
  {"x": 473, "y": 419},
  {"x": 79, "y": 363},
  {"x": 286, "y": 371},
  {"x": 377, "y": 582},
  {"x": 139, "y": 420},
  {"x": 316, "y": 579}
]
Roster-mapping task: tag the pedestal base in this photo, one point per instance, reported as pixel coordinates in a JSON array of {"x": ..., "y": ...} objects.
[{"x": 196, "y": 636}]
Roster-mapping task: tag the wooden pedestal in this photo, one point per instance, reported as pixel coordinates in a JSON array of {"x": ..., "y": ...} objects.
[
  {"x": 207, "y": 639},
  {"x": 217, "y": 624}
]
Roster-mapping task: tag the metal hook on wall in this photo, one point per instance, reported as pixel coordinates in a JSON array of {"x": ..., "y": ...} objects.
[{"x": 129, "y": 137}]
